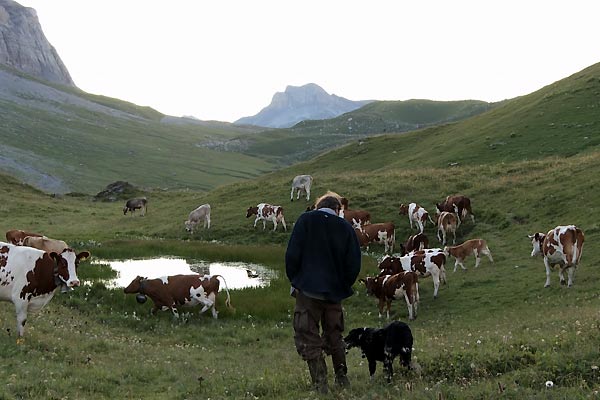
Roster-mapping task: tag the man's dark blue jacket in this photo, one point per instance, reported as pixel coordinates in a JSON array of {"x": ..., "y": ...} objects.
[{"x": 323, "y": 256}]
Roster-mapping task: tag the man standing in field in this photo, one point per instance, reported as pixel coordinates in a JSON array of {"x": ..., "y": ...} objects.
[{"x": 322, "y": 263}]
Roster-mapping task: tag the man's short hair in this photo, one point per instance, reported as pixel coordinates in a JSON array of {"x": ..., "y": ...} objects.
[{"x": 329, "y": 201}]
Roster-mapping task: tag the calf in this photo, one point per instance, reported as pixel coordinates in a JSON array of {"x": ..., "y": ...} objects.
[
  {"x": 170, "y": 292},
  {"x": 356, "y": 218},
  {"x": 201, "y": 213},
  {"x": 425, "y": 262},
  {"x": 416, "y": 242},
  {"x": 475, "y": 247},
  {"x": 416, "y": 214},
  {"x": 448, "y": 222},
  {"x": 16, "y": 236},
  {"x": 46, "y": 244},
  {"x": 301, "y": 183},
  {"x": 389, "y": 287},
  {"x": 140, "y": 203},
  {"x": 383, "y": 233},
  {"x": 383, "y": 344},
  {"x": 267, "y": 212},
  {"x": 561, "y": 246},
  {"x": 29, "y": 277},
  {"x": 459, "y": 204}
]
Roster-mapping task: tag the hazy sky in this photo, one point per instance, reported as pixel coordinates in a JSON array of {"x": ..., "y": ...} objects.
[{"x": 224, "y": 59}]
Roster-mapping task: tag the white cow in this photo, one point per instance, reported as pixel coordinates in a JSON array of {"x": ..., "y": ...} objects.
[
  {"x": 301, "y": 183},
  {"x": 202, "y": 213},
  {"x": 416, "y": 214}
]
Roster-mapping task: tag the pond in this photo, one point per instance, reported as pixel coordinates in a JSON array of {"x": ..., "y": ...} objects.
[{"x": 238, "y": 275}]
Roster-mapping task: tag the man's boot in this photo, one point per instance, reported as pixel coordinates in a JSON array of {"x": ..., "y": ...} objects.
[
  {"x": 340, "y": 375},
  {"x": 318, "y": 374}
]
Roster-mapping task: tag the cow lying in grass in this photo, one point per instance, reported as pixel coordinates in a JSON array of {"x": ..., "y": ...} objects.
[
  {"x": 383, "y": 344},
  {"x": 170, "y": 292}
]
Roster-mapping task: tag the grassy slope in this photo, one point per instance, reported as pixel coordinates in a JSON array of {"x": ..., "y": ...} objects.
[{"x": 493, "y": 326}]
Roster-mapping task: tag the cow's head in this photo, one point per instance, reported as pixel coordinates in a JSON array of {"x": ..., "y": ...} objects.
[
  {"x": 536, "y": 241},
  {"x": 251, "y": 211},
  {"x": 370, "y": 284},
  {"x": 189, "y": 226},
  {"x": 66, "y": 266},
  {"x": 135, "y": 286},
  {"x": 403, "y": 209}
]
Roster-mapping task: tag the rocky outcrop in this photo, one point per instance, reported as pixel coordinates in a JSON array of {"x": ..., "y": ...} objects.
[
  {"x": 300, "y": 103},
  {"x": 24, "y": 46}
]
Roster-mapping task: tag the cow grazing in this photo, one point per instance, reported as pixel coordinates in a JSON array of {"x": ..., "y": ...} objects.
[
  {"x": 267, "y": 212},
  {"x": 140, "y": 203},
  {"x": 356, "y": 218},
  {"x": 475, "y": 247},
  {"x": 416, "y": 214},
  {"x": 416, "y": 242},
  {"x": 383, "y": 233},
  {"x": 459, "y": 204},
  {"x": 389, "y": 287},
  {"x": 202, "y": 213},
  {"x": 29, "y": 277},
  {"x": 46, "y": 244},
  {"x": 383, "y": 344},
  {"x": 16, "y": 236},
  {"x": 301, "y": 184},
  {"x": 448, "y": 222},
  {"x": 170, "y": 292},
  {"x": 561, "y": 246},
  {"x": 425, "y": 262}
]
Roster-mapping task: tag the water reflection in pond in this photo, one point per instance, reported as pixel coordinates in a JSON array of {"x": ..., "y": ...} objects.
[{"x": 237, "y": 275}]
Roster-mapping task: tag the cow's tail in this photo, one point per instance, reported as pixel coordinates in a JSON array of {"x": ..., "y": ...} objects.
[
  {"x": 228, "y": 301},
  {"x": 430, "y": 220}
]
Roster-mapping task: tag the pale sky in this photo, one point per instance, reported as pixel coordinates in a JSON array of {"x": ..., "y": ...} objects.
[{"x": 224, "y": 59}]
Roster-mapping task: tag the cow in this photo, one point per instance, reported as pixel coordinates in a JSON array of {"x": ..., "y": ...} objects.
[
  {"x": 425, "y": 262},
  {"x": 170, "y": 292},
  {"x": 389, "y": 287},
  {"x": 416, "y": 214},
  {"x": 45, "y": 243},
  {"x": 301, "y": 183},
  {"x": 16, "y": 236},
  {"x": 201, "y": 213},
  {"x": 448, "y": 222},
  {"x": 415, "y": 242},
  {"x": 356, "y": 218},
  {"x": 383, "y": 344},
  {"x": 383, "y": 233},
  {"x": 140, "y": 203},
  {"x": 561, "y": 246},
  {"x": 459, "y": 204},
  {"x": 29, "y": 277},
  {"x": 267, "y": 212},
  {"x": 475, "y": 247}
]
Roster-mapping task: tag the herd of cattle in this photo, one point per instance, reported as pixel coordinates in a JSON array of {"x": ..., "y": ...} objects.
[{"x": 33, "y": 267}]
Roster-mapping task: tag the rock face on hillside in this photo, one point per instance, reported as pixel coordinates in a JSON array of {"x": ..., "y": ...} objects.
[
  {"x": 24, "y": 46},
  {"x": 299, "y": 103}
]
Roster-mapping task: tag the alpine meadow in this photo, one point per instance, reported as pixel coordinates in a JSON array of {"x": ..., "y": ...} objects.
[{"x": 528, "y": 165}]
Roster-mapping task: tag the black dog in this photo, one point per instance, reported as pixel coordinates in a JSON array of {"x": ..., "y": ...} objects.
[{"x": 383, "y": 344}]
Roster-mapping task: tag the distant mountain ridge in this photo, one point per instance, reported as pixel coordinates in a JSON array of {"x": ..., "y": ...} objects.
[
  {"x": 301, "y": 103},
  {"x": 24, "y": 46}
]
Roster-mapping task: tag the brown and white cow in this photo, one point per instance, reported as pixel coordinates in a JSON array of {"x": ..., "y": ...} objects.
[
  {"x": 46, "y": 244},
  {"x": 416, "y": 242},
  {"x": 302, "y": 184},
  {"x": 356, "y": 218},
  {"x": 459, "y": 204},
  {"x": 201, "y": 213},
  {"x": 29, "y": 277},
  {"x": 389, "y": 287},
  {"x": 561, "y": 246},
  {"x": 416, "y": 214},
  {"x": 170, "y": 292},
  {"x": 140, "y": 203},
  {"x": 16, "y": 236},
  {"x": 425, "y": 262},
  {"x": 267, "y": 212},
  {"x": 447, "y": 222},
  {"x": 382, "y": 233},
  {"x": 474, "y": 247}
]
